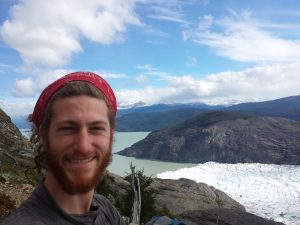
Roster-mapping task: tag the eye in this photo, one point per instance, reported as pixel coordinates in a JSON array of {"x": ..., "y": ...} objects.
[
  {"x": 97, "y": 129},
  {"x": 66, "y": 129}
]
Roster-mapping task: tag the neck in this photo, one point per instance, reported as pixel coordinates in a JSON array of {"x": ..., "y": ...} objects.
[{"x": 72, "y": 204}]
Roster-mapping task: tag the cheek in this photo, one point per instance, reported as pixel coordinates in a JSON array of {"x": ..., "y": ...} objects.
[{"x": 61, "y": 142}]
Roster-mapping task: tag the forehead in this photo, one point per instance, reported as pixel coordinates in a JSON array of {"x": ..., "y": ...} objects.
[{"x": 79, "y": 107}]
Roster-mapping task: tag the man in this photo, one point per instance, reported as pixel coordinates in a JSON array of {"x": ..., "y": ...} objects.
[{"x": 74, "y": 122}]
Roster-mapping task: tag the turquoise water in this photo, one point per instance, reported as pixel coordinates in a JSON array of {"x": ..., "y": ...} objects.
[{"x": 121, "y": 164}]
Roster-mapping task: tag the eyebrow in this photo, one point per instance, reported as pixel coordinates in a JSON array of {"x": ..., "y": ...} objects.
[{"x": 72, "y": 122}]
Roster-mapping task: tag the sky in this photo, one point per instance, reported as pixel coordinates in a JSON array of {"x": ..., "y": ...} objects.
[{"x": 152, "y": 51}]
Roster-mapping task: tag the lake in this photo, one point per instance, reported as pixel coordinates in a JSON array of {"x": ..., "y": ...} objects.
[{"x": 121, "y": 164}]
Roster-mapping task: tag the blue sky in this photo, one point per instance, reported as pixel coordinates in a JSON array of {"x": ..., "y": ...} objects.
[{"x": 154, "y": 51}]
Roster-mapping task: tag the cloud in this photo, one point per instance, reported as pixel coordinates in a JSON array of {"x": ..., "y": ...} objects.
[
  {"x": 149, "y": 70},
  {"x": 49, "y": 32},
  {"x": 241, "y": 38},
  {"x": 16, "y": 108},
  {"x": 147, "y": 67},
  {"x": 167, "y": 11},
  {"x": 4, "y": 68},
  {"x": 24, "y": 88},
  {"x": 253, "y": 84},
  {"x": 107, "y": 75},
  {"x": 259, "y": 83},
  {"x": 29, "y": 87},
  {"x": 148, "y": 29},
  {"x": 141, "y": 79}
]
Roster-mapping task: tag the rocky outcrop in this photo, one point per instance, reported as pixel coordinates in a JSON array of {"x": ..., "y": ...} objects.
[
  {"x": 224, "y": 216},
  {"x": 178, "y": 196},
  {"x": 9, "y": 133},
  {"x": 194, "y": 203},
  {"x": 224, "y": 137},
  {"x": 184, "y": 195},
  {"x": 16, "y": 152}
]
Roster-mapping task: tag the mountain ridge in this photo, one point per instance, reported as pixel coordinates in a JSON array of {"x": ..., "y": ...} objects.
[
  {"x": 225, "y": 137},
  {"x": 150, "y": 116}
]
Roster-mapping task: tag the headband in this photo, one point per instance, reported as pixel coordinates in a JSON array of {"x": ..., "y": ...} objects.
[{"x": 92, "y": 78}]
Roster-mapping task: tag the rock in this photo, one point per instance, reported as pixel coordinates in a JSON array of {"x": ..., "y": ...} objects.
[
  {"x": 16, "y": 152},
  {"x": 224, "y": 216},
  {"x": 10, "y": 136},
  {"x": 195, "y": 203},
  {"x": 185, "y": 195},
  {"x": 180, "y": 195},
  {"x": 224, "y": 137}
]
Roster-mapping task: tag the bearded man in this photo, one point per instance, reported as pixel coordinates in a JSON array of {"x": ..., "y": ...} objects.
[{"x": 73, "y": 128}]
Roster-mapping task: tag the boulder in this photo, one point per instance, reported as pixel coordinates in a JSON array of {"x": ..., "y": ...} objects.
[
  {"x": 185, "y": 195},
  {"x": 224, "y": 216}
]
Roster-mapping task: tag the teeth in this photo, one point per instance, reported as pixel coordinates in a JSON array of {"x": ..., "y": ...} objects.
[{"x": 80, "y": 160}]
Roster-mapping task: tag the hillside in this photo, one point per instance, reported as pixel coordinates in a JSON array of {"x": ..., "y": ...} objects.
[
  {"x": 150, "y": 118},
  {"x": 288, "y": 107},
  {"x": 155, "y": 120},
  {"x": 15, "y": 151},
  {"x": 166, "y": 107},
  {"x": 225, "y": 137}
]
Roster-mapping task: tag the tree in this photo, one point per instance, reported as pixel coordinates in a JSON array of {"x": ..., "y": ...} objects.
[{"x": 147, "y": 196}]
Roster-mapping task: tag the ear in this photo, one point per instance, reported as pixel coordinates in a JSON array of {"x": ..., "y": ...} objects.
[{"x": 112, "y": 133}]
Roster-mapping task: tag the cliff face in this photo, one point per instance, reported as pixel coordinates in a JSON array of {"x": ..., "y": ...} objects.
[
  {"x": 226, "y": 138},
  {"x": 9, "y": 133},
  {"x": 15, "y": 151}
]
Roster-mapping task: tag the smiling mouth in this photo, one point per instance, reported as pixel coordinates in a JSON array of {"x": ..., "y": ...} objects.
[{"x": 80, "y": 161}]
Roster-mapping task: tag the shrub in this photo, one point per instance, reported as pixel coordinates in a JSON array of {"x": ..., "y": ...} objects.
[{"x": 147, "y": 197}]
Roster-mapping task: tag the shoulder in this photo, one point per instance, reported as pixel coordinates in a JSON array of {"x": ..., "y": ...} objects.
[
  {"x": 107, "y": 208},
  {"x": 22, "y": 216},
  {"x": 30, "y": 211},
  {"x": 103, "y": 202}
]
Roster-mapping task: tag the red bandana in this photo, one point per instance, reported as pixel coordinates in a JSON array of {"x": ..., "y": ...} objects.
[{"x": 94, "y": 79}]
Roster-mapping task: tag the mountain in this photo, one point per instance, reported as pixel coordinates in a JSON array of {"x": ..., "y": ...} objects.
[
  {"x": 288, "y": 107},
  {"x": 225, "y": 137},
  {"x": 165, "y": 107},
  {"x": 150, "y": 118},
  {"x": 147, "y": 118},
  {"x": 151, "y": 121},
  {"x": 15, "y": 151}
]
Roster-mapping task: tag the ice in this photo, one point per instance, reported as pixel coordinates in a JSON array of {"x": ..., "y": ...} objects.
[{"x": 269, "y": 191}]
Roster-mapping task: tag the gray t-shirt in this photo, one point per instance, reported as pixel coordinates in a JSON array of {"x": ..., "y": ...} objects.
[{"x": 41, "y": 209}]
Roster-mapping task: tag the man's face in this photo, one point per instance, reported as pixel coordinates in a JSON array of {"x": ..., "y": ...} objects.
[{"x": 79, "y": 143}]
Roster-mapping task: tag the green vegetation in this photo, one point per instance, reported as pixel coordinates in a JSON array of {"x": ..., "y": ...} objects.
[
  {"x": 123, "y": 199},
  {"x": 147, "y": 196},
  {"x": 14, "y": 165}
]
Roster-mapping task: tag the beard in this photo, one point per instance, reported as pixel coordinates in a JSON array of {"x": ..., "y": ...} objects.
[{"x": 77, "y": 182}]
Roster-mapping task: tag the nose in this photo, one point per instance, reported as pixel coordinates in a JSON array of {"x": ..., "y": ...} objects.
[{"x": 82, "y": 141}]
